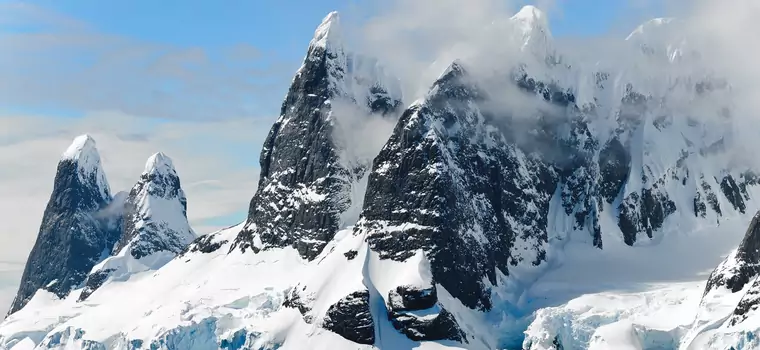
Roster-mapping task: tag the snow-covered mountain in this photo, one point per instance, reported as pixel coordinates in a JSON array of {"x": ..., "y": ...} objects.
[
  {"x": 308, "y": 178},
  {"x": 155, "y": 227},
  {"x": 482, "y": 215},
  {"x": 73, "y": 236}
]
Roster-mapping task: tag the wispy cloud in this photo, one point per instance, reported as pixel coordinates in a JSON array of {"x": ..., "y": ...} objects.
[{"x": 50, "y": 60}]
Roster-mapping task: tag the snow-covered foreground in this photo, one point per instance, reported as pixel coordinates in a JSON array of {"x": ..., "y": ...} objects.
[
  {"x": 200, "y": 300},
  {"x": 645, "y": 298}
]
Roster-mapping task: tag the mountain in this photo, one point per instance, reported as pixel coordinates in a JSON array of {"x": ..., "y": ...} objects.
[
  {"x": 443, "y": 223},
  {"x": 155, "y": 226},
  {"x": 73, "y": 236},
  {"x": 306, "y": 180}
]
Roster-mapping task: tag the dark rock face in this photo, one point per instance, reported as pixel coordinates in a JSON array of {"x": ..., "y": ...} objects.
[
  {"x": 303, "y": 186},
  {"x": 407, "y": 298},
  {"x": 351, "y": 318},
  {"x": 442, "y": 327},
  {"x": 700, "y": 208},
  {"x": 93, "y": 282},
  {"x": 733, "y": 193},
  {"x": 741, "y": 267},
  {"x": 451, "y": 185},
  {"x": 557, "y": 344},
  {"x": 73, "y": 237},
  {"x": 415, "y": 312},
  {"x": 746, "y": 179},
  {"x": 653, "y": 207},
  {"x": 351, "y": 254},
  {"x": 614, "y": 167},
  {"x": 711, "y": 197},
  {"x": 294, "y": 300},
  {"x": 748, "y": 304},
  {"x": 205, "y": 244}
]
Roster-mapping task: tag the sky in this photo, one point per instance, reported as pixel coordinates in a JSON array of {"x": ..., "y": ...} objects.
[{"x": 201, "y": 81}]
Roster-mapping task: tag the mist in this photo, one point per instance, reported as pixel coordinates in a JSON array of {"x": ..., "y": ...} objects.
[{"x": 703, "y": 40}]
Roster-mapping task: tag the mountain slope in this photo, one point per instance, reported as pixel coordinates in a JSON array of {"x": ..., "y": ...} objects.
[{"x": 73, "y": 236}]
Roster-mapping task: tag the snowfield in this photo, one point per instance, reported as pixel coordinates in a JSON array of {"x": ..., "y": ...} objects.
[
  {"x": 199, "y": 300},
  {"x": 647, "y": 298},
  {"x": 643, "y": 298}
]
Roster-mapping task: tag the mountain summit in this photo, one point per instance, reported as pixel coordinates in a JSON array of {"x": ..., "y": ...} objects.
[
  {"x": 155, "y": 226},
  {"x": 72, "y": 237},
  {"x": 328, "y": 34},
  {"x": 305, "y": 183}
]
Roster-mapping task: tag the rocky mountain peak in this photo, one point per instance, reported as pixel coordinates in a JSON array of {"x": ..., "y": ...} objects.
[
  {"x": 82, "y": 147},
  {"x": 83, "y": 156},
  {"x": 328, "y": 33},
  {"x": 650, "y": 27},
  {"x": 155, "y": 226},
  {"x": 74, "y": 234},
  {"x": 532, "y": 17},
  {"x": 159, "y": 163},
  {"x": 533, "y": 25},
  {"x": 662, "y": 38},
  {"x": 156, "y": 211},
  {"x": 306, "y": 184}
]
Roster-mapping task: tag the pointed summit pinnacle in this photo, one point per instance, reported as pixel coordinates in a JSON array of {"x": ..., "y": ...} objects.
[
  {"x": 531, "y": 18},
  {"x": 159, "y": 163},
  {"x": 328, "y": 33},
  {"x": 83, "y": 153},
  {"x": 529, "y": 12},
  {"x": 82, "y": 146}
]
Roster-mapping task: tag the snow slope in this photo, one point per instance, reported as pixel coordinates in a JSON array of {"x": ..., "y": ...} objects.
[
  {"x": 216, "y": 297},
  {"x": 643, "y": 298}
]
